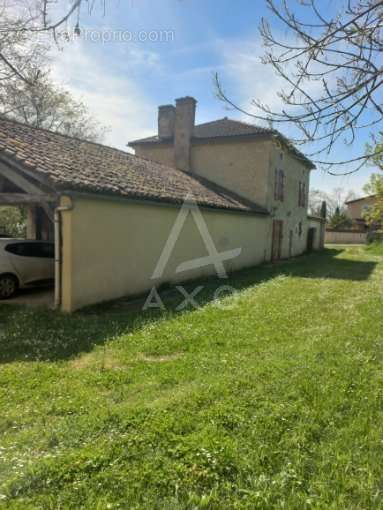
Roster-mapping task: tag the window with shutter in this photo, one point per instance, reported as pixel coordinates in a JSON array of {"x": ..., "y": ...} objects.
[
  {"x": 279, "y": 185},
  {"x": 276, "y": 184},
  {"x": 302, "y": 194}
]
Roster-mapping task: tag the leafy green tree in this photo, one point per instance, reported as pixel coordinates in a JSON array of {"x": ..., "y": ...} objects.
[
  {"x": 374, "y": 214},
  {"x": 339, "y": 219},
  {"x": 12, "y": 221}
]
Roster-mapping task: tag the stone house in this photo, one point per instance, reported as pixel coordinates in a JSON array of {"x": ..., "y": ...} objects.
[
  {"x": 111, "y": 214},
  {"x": 257, "y": 163}
]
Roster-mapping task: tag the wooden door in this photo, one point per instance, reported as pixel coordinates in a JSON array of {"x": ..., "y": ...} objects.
[
  {"x": 310, "y": 239},
  {"x": 291, "y": 238},
  {"x": 276, "y": 249}
]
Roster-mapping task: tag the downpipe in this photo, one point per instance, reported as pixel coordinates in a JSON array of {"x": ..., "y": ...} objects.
[{"x": 58, "y": 251}]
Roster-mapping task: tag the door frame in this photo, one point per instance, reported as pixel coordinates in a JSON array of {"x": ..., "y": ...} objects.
[
  {"x": 276, "y": 241},
  {"x": 311, "y": 235},
  {"x": 291, "y": 242}
]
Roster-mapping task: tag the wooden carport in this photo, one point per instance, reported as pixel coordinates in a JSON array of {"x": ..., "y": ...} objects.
[{"x": 17, "y": 189}]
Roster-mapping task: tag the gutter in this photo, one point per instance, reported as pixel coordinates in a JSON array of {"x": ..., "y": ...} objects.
[{"x": 58, "y": 250}]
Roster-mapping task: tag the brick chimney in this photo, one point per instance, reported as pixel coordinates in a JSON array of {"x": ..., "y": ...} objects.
[
  {"x": 166, "y": 121},
  {"x": 184, "y": 126}
]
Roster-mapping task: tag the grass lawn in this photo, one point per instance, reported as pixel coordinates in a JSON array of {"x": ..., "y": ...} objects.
[{"x": 273, "y": 402}]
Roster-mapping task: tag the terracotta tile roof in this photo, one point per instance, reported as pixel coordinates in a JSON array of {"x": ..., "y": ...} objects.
[
  {"x": 71, "y": 164},
  {"x": 216, "y": 129},
  {"x": 228, "y": 128}
]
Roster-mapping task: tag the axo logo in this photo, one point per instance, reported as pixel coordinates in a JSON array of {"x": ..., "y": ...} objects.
[{"x": 213, "y": 257}]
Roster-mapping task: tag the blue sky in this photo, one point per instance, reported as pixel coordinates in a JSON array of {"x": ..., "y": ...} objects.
[{"x": 123, "y": 81}]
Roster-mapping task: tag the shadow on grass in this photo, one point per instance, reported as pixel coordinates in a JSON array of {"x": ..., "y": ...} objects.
[{"x": 30, "y": 334}]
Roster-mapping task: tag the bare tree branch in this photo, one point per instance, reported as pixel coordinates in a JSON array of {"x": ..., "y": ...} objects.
[
  {"x": 19, "y": 24},
  {"x": 341, "y": 56}
]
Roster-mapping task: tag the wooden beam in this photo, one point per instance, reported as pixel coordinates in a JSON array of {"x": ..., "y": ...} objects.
[
  {"x": 19, "y": 180},
  {"x": 16, "y": 177},
  {"x": 31, "y": 222},
  {"x": 25, "y": 198}
]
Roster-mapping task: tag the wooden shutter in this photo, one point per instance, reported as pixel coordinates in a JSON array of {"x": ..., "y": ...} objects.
[
  {"x": 277, "y": 239},
  {"x": 276, "y": 184},
  {"x": 302, "y": 194},
  {"x": 281, "y": 185}
]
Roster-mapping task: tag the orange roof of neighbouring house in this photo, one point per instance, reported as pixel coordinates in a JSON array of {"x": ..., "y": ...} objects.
[{"x": 359, "y": 199}]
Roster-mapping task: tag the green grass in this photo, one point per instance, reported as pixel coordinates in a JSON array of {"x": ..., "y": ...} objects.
[
  {"x": 273, "y": 402},
  {"x": 375, "y": 248}
]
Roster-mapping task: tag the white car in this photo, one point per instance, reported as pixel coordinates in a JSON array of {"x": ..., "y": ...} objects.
[{"x": 24, "y": 263}]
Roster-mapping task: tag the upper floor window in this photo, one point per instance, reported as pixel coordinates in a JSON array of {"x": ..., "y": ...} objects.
[
  {"x": 302, "y": 194},
  {"x": 279, "y": 185}
]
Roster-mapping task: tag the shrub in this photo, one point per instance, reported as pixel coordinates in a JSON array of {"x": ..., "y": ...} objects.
[{"x": 12, "y": 221}]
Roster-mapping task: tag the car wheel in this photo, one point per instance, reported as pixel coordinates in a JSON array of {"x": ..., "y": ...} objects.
[{"x": 8, "y": 286}]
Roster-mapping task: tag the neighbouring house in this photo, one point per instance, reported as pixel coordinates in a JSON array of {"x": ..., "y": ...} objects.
[
  {"x": 356, "y": 209},
  {"x": 355, "y": 231},
  {"x": 111, "y": 213}
]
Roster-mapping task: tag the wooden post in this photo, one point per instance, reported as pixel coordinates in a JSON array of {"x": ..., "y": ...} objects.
[{"x": 31, "y": 222}]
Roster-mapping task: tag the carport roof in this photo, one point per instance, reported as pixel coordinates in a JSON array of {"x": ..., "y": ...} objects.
[{"x": 64, "y": 163}]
